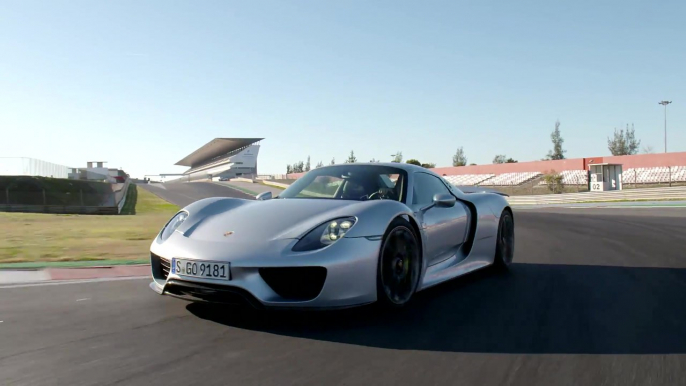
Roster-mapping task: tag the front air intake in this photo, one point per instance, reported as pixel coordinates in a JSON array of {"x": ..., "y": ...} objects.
[
  {"x": 160, "y": 267},
  {"x": 295, "y": 283}
]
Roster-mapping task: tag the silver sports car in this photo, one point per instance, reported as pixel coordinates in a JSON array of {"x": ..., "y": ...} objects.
[{"x": 340, "y": 236}]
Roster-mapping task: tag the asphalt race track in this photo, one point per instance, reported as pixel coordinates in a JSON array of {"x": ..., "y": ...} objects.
[
  {"x": 183, "y": 194},
  {"x": 596, "y": 297}
]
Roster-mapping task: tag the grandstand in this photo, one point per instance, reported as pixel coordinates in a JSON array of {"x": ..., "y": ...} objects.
[
  {"x": 574, "y": 177},
  {"x": 655, "y": 175},
  {"x": 510, "y": 179},
  {"x": 222, "y": 157},
  {"x": 504, "y": 179},
  {"x": 468, "y": 179}
]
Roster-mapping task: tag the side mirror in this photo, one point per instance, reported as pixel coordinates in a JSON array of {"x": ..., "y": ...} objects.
[
  {"x": 444, "y": 200},
  {"x": 264, "y": 196},
  {"x": 441, "y": 200}
]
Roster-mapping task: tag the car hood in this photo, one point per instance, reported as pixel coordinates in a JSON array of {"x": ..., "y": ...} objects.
[{"x": 251, "y": 221}]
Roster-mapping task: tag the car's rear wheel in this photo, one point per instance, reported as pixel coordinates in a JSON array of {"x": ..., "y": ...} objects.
[
  {"x": 504, "y": 251},
  {"x": 399, "y": 264}
]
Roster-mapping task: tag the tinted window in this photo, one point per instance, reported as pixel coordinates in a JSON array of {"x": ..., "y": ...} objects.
[
  {"x": 321, "y": 186},
  {"x": 425, "y": 187},
  {"x": 350, "y": 182}
]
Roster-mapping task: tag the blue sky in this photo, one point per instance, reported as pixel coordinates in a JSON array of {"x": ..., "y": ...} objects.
[{"x": 143, "y": 83}]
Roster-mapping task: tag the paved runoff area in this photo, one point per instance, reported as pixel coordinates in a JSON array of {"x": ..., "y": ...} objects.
[
  {"x": 256, "y": 188},
  {"x": 596, "y": 297}
]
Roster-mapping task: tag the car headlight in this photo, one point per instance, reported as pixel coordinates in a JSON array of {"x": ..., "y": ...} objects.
[
  {"x": 325, "y": 234},
  {"x": 172, "y": 225}
]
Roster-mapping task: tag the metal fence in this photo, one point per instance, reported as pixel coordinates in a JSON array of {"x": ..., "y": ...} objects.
[{"x": 24, "y": 166}]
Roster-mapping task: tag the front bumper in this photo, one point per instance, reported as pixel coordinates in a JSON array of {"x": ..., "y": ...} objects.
[{"x": 341, "y": 275}]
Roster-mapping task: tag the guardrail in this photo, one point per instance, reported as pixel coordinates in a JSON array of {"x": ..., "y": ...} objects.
[
  {"x": 120, "y": 195},
  {"x": 615, "y": 195}
]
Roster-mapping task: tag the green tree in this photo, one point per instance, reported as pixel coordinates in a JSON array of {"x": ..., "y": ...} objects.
[
  {"x": 374, "y": 160},
  {"x": 429, "y": 165},
  {"x": 333, "y": 161},
  {"x": 499, "y": 159},
  {"x": 351, "y": 158},
  {"x": 459, "y": 159},
  {"x": 289, "y": 169},
  {"x": 397, "y": 157},
  {"x": 319, "y": 164},
  {"x": 414, "y": 162},
  {"x": 624, "y": 142},
  {"x": 557, "y": 152},
  {"x": 554, "y": 181},
  {"x": 299, "y": 167},
  {"x": 307, "y": 164},
  {"x": 511, "y": 161}
]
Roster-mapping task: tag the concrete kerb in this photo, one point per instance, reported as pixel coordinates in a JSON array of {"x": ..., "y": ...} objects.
[{"x": 42, "y": 275}]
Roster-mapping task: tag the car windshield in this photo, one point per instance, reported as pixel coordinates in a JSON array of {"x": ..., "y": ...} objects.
[{"x": 350, "y": 182}]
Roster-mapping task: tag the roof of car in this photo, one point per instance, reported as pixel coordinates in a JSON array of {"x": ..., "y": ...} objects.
[{"x": 403, "y": 166}]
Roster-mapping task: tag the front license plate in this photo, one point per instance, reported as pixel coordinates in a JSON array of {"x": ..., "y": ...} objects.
[{"x": 199, "y": 268}]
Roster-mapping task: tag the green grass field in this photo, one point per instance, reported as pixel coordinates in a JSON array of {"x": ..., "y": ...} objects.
[{"x": 29, "y": 237}]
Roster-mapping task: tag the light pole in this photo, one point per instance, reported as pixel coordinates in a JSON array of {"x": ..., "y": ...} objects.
[{"x": 665, "y": 103}]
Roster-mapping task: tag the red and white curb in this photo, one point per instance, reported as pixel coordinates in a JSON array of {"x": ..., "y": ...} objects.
[{"x": 72, "y": 275}]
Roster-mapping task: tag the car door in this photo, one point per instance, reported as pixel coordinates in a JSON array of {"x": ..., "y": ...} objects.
[{"x": 445, "y": 228}]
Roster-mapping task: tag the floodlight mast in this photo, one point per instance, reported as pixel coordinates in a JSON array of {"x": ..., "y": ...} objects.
[{"x": 665, "y": 103}]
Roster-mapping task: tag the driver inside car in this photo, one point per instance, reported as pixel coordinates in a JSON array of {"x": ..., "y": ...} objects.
[{"x": 359, "y": 188}]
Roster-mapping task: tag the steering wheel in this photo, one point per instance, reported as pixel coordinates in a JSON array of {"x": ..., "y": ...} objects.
[{"x": 378, "y": 195}]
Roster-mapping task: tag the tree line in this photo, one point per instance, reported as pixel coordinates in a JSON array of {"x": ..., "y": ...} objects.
[
  {"x": 623, "y": 142},
  {"x": 300, "y": 166}
]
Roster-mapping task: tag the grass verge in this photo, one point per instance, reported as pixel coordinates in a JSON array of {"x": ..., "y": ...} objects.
[
  {"x": 93, "y": 240},
  {"x": 271, "y": 185}
]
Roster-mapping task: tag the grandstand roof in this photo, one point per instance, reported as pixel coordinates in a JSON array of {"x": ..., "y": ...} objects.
[{"x": 215, "y": 148}]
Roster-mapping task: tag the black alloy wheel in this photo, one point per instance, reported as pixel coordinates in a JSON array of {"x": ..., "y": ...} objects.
[
  {"x": 399, "y": 265},
  {"x": 504, "y": 252}
]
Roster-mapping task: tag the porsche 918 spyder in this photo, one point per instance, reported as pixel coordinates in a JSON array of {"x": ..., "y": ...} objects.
[{"x": 340, "y": 236}]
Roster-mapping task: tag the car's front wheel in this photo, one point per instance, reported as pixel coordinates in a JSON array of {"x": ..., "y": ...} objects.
[
  {"x": 504, "y": 251},
  {"x": 399, "y": 264}
]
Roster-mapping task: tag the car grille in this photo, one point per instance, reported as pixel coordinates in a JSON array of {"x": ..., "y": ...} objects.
[
  {"x": 295, "y": 283},
  {"x": 160, "y": 267},
  {"x": 165, "y": 265}
]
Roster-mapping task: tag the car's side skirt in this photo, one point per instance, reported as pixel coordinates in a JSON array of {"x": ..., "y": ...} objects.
[{"x": 451, "y": 269}]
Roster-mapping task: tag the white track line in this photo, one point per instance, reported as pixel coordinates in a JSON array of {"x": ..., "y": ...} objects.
[{"x": 61, "y": 282}]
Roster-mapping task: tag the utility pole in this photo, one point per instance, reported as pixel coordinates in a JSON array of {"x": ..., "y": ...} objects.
[{"x": 665, "y": 103}]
